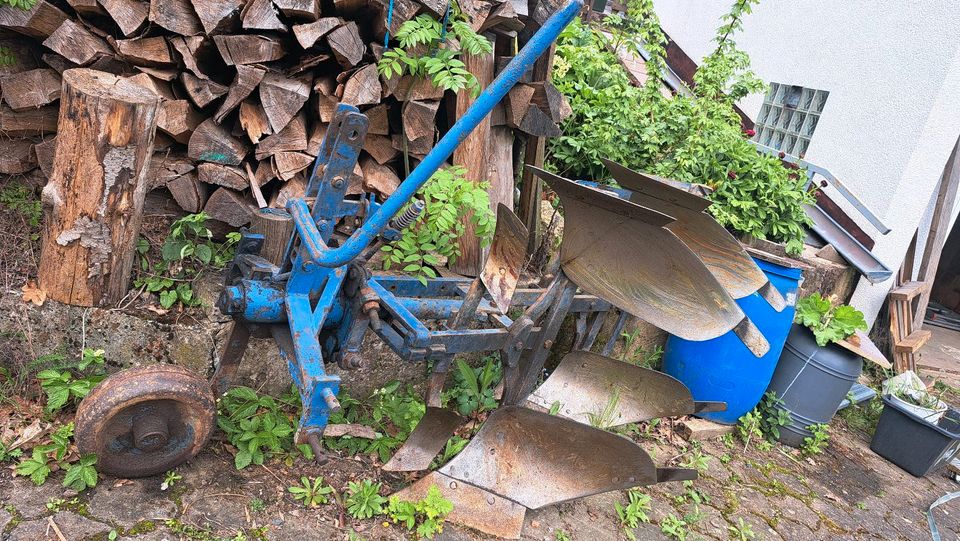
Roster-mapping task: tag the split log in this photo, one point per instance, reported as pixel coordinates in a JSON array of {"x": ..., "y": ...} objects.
[
  {"x": 87, "y": 7},
  {"x": 380, "y": 148},
  {"x": 254, "y": 121},
  {"x": 415, "y": 147},
  {"x": 417, "y": 88},
  {"x": 517, "y": 104},
  {"x": 500, "y": 174},
  {"x": 38, "y": 22},
  {"x": 379, "y": 123},
  {"x": 95, "y": 195},
  {"x": 472, "y": 155},
  {"x": 56, "y": 62},
  {"x": 325, "y": 89},
  {"x": 30, "y": 89},
  {"x": 288, "y": 164},
  {"x": 294, "y": 188},
  {"x": 76, "y": 44},
  {"x": 158, "y": 87},
  {"x": 188, "y": 192},
  {"x": 228, "y": 206},
  {"x": 202, "y": 92},
  {"x": 419, "y": 118},
  {"x": 128, "y": 14},
  {"x": 44, "y": 152},
  {"x": 539, "y": 124},
  {"x": 308, "y": 34},
  {"x": 317, "y": 134},
  {"x": 550, "y": 101},
  {"x": 216, "y": 15},
  {"x": 211, "y": 142},
  {"x": 248, "y": 48},
  {"x": 178, "y": 119},
  {"x": 346, "y": 44},
  {"x": 187, "y": 48},
  {"x": 146, "y": 51},
  {"x": 292, "y": 138},
  {"x": 261, "y": 15},
  {"x": 16, "y": 157},
  {"x": 247, "y": 79},
  {"x": 28, "y": 123},
  {"x": 276, "y": 226},
  {"x": 306, "y": 10},
  {"x": 378, "y": 178},
  {"x": 502, "y": 18},
  {"x": 283, "y": 97},
  {"x": 176, "y": 16},
  {"x": 254, "y": 184},
  {"x": 363, "y": 87},
  {"x": 165, "y": 167},
  {"x": 222, "y": 175}
]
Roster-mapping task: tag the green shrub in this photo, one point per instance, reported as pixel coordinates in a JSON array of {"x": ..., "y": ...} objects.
[{"x": 688, "y": 138}]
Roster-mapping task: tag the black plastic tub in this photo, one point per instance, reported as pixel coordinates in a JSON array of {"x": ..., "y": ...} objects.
[{"x": 917, "y": 446}]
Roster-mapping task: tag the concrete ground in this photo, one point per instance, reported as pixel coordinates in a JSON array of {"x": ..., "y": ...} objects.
[
  {"x": 940, "y": 357},
  {"x": 846, "y": 493}
]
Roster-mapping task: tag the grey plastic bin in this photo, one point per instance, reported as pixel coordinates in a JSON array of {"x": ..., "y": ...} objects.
[{"x": 916, "y": 445}]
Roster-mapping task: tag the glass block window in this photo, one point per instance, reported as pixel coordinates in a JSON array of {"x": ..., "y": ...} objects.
[{"x": 789, "y": 117}]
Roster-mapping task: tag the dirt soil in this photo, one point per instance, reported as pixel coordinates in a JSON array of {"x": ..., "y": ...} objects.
[{"x": 846, "y": 493}]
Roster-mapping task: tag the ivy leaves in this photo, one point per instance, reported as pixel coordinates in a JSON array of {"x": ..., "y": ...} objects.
[
  {"x": 442, "y": 63},
  {"x": 448, "y": 197}
]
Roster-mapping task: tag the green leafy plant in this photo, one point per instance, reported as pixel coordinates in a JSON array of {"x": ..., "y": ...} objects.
[
  {"x": 453, "y": 446},
  {"x": 14, "y": 196},
  {"x": 449, "y": 196},
  {"x": 393, "y": 412},
  {"x": 68, "y": 384},
  {"x": 425, "y": 517},
  {"x": 364, "y": 499},
  {"x": 674, "y": 527},
  {"x": 817, "y": 442},
  {"x": 186, "y": 252},
  {"x": 560, "y": 535},
  {"x": 692, "y": 138},
  {"x": 170, "y": 479},
  {"x": 311, "y": 493},
  {"x": 256, "y": 425},
  {"x": 473, "y": 387},
  {"x": 635, "y": 512},
  {"x": 765, "y": 421},
  {"x": 606, "y": 416},
  {"x": 828, "y": 322},
  {"x": 82, "y": 474},
  {"x": 742, "y": 530},
  {"x": 441, "y": 63},
  {"x": 20, "y": 4},
  {"x": 6, "y": 55}
]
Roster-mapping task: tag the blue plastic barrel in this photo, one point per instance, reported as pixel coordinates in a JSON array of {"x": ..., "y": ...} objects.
[{"x": 723, "y": 368}]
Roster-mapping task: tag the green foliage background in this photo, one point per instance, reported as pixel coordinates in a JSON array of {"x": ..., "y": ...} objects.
[{"x": 694, "y": 138}]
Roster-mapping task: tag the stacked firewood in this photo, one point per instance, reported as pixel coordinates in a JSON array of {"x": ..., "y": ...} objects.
[{"x": 247, "y": 88}]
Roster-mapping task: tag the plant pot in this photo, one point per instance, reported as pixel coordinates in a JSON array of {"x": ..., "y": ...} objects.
[
  {"x": 811, "y": 381},
  {"x": 912, "y": 443}
]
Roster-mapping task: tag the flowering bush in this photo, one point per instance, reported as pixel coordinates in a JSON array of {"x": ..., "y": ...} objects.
[{"x": 689, "y": 138}]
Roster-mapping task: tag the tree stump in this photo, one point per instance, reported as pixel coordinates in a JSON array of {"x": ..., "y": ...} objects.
[{"x": 94, "y": 198}]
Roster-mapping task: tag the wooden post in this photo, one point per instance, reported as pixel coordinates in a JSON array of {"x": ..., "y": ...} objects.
[
  {"x": 939, "y": 227},
  {"x": 529, "y": 210},
  {"x": 95, "y": 195},
  {"x": 472, "y": 154}
]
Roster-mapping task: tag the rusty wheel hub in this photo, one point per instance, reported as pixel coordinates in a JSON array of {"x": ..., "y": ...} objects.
[{"x": 146, "y": 420}]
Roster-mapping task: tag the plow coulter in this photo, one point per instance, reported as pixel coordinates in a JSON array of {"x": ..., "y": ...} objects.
[{"x": 655, "y": 255}]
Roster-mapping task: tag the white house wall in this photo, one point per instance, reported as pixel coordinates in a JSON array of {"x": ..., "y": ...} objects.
[{"x": 893, "y": 113}]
